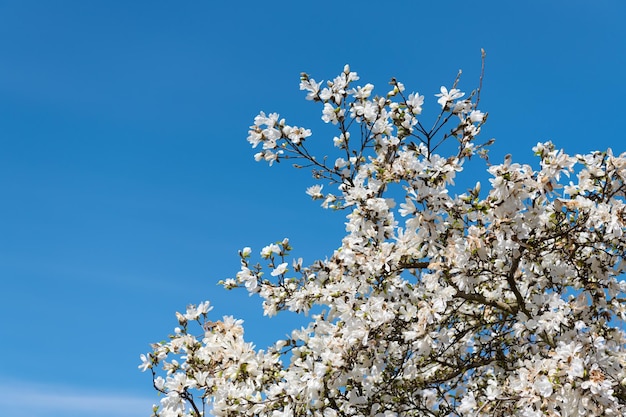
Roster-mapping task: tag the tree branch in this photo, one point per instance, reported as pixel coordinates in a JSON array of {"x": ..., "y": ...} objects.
[
  {"x": 485, "y": 301},
  {"x": 510, "y": 278},
  {"x": 411, "y": 264}
]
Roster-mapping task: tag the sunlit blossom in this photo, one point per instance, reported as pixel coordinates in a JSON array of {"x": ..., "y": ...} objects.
[{"x": 499, "y": 300}]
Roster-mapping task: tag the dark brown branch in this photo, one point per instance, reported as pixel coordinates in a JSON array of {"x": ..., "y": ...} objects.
[
  {"x": 186, "y": 395},
  {"x": 410, "y": 264},
  {"x": 485, "y": 301},
  {"x": 510, "y": 278}
]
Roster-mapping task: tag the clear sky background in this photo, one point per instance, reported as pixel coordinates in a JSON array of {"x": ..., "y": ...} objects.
[{"x": 127, "y": 185}]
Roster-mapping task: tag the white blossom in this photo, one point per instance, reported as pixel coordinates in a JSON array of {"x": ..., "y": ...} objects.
[
  {"x": 280, "y": 269},
  {"x": 315, "y": 191},
  {"x": 446, "y": 96},
  {"x": 499, "y": 300}
]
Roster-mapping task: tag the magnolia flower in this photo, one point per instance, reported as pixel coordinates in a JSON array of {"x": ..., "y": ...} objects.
[
  {"x": 476, "y": 116},
  {"x": 332, "y": 114},
  {"x": 296, "y": 134},
  {"x": 269, "y": 250},
  {"x": 543, "y": 386},
  {"x": 146, "y": 362},
  {"x": 315, "y": 191},
  {"x": 446, "y": 96},
  {"x": 280, "y": 269},
  {"x": 415, "y": 102},
  {"x": 311, "y": 86},
  {"x": 362, "y": 92}
]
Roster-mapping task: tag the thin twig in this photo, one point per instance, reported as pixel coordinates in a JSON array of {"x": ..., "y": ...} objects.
[{"x": 482, "y": 73}]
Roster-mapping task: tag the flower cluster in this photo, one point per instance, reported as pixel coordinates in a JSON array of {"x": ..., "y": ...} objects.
[{"x": 505, "y": 301}]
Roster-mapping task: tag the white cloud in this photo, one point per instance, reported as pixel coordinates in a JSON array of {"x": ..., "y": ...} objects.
[{"x": 25, "y": 399}]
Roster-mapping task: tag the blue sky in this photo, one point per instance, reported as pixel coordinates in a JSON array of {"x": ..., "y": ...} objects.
[{"x": 127, "y": 185}]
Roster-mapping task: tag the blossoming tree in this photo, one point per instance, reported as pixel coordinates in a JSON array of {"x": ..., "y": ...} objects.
[{"x": 498, "y": 302}]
